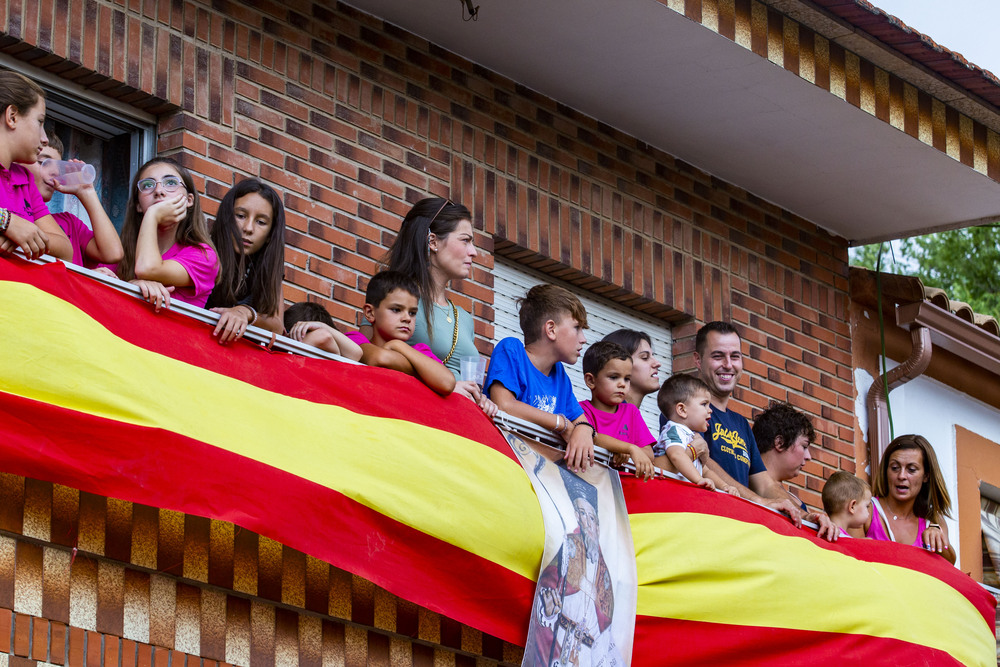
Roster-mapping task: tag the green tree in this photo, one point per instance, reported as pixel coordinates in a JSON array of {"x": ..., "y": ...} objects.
[{"x": 963, "y": 262}]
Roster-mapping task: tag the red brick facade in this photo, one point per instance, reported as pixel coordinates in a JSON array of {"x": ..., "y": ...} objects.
[{"x": 354, "y": 120}]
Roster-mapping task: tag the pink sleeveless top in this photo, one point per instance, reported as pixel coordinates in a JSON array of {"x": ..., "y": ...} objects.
[{"x": 876, "y": 531}]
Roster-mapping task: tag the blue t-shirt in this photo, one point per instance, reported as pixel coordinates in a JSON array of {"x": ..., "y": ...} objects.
[
  {"x": 511, "y": 367},
  {"x": 731, "y": 444}
]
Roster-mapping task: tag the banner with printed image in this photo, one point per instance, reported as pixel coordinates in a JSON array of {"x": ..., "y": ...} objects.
[{"x": 583, "y": 613}]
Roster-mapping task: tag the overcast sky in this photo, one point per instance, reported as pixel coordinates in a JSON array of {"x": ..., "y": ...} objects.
[{"x": 970, "y": 27}]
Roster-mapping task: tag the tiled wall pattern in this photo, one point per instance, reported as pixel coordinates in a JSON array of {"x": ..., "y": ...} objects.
[
  {"x": 149, "y": 586},
  {"x": 354, "y": 120},
  {"x": 799, "y": 49}
]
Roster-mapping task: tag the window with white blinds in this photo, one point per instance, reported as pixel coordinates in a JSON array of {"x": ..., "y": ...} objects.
[{"x": 511, "y": 281}]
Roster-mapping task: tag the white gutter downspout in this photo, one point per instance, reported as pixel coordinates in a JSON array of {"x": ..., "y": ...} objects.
[{"x": 877, "y": 403}]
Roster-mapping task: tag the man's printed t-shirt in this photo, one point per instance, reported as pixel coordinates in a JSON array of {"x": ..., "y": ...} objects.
[{"x": 732, "y": 445}]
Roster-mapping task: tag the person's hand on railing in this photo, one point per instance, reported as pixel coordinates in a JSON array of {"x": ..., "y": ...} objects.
[
  {"x": 786, "y": 506},
  {"x": 827, "y": 529},
  {"x": 155, "y": 293},
  {"x": 233, "y": 322},
  {"x": 25, "y": 235},
  {"x": 471, "y": 391}
]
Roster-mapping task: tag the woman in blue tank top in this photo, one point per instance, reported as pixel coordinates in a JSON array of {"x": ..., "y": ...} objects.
[{"x": 436, "y": 245}]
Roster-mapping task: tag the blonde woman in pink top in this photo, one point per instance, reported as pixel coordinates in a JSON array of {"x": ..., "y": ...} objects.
[
  {"x": 25, "y": 222},
  {"x": 910, "y": 500}
]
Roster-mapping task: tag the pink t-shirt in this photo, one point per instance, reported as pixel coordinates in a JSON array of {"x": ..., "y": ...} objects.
[
  {"x": 202, "y": 265},
  {"x": 19, "y": 195},
  {"x": 625, "y": 423},
  {"x": 360, "y": 339},
  {"x": 876, "y": 531},
  {"x": 79, "y": 235}
]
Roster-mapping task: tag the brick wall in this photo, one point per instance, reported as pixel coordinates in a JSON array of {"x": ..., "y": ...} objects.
[{"x": 354, "y": 120}]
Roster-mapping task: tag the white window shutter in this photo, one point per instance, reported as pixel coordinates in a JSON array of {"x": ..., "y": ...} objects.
[{"x": 511, "y": 281}]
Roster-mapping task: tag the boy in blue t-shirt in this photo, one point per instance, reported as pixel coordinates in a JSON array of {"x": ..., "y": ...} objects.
[{"x": 527, "y": 380}]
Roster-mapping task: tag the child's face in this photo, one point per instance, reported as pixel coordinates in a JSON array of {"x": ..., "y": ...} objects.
[
  {"x": 697, "y": 411},
  {"x": 569, "y": 339},
  {"x": 29, "y": 132},
  {"x": 167, "y": 183},
  {"x": 43, "y": 177},
  {"x": 611, "y": 385},
  {"x": 393, "y": 318},
  {"x": 862, "y": 511},
  {"x": 253, "y": 218}
]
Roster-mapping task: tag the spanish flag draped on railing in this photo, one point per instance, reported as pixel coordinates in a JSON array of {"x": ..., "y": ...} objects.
[{"x": 369, "y": 470}]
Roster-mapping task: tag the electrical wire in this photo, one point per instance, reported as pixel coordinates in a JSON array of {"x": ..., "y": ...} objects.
[{"x": 881, "y": 333}]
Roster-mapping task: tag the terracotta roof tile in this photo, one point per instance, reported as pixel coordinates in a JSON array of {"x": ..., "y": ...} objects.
[
  {"x": 898, "y": 290},
  {"x": 890, "y": 30}
]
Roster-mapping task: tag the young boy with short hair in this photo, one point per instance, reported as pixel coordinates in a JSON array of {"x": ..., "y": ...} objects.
[
  {"x": 687, "y": 402},
  {"x": 607, "y": 370},
  {"x": 391, "y": 304},
  {"x": 102, "y": 245},
  {"x": 527, "y": 380},
  {"x": 311, "y": 324},
  {"x": 848, "y": 501}
]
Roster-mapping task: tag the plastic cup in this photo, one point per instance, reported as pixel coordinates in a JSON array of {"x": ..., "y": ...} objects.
[
  {"x": 70, "y": 173},
  {"x": 473, "y": 369}
]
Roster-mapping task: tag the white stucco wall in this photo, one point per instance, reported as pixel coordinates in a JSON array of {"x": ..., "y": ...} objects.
[{"x": 933, "y": 409}]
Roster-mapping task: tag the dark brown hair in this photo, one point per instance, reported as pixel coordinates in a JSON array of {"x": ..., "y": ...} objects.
[
  {"x": 18, "y": 91},
  {"x": 547, "y": 302},
  {"x": 192, "y": 230},
  {"x": 679, "y": 388}
]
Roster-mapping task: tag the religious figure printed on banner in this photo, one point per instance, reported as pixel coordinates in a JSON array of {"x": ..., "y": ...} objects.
[{"x": 574, "y": 619}]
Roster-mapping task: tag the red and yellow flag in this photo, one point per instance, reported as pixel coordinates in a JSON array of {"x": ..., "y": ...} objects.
[
  {"x": 362, "y": 467},
  {"x": 732, "y": 583},
  {"x": 371, "y": 471}
]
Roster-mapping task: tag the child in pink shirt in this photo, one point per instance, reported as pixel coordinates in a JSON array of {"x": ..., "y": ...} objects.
[
  {"x": 90, "y": 247},
  {"x": 165, "y": 237},
  {"x": 607, "y": 370},
  {"x": 25, "y": 222}
]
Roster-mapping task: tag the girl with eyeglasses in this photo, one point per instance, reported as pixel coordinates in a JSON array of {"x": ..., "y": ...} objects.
[
  {"x": 436, "y": 245},
  {"x": 25, "y": 222},
  {"x": 167, "y": 247},
  {"x": 249, "y": 235}
]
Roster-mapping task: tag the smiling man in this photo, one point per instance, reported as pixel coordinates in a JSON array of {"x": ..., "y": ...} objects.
[{"x": 732, "y": 447}]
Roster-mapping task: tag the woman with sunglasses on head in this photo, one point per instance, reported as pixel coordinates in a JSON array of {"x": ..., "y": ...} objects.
[
  {"x": 25, "y": 222},
  {"x": 249, "y": 236},
  {"x": 436, "y": 245},
  {"x": 165, "y": 238}
]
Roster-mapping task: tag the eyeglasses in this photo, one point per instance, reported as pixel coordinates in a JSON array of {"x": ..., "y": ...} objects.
[{"x": 168, "y": 183}]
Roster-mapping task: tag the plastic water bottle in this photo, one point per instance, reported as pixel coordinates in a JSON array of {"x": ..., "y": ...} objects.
[{"x": 70, "y": 173}]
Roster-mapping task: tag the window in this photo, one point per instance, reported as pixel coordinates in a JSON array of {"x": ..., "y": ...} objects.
[
  {"x": 113, "y": 137},
  {"x": 511, "y": 281}
]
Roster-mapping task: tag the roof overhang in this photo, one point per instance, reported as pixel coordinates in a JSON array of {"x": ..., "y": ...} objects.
[{"x": 671, "y": 82}]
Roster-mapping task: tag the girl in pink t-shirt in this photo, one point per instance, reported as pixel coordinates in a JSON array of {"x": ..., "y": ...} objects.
[
  {"x": 25, "y": 222},
  {"x": 165, "y": 237}
]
